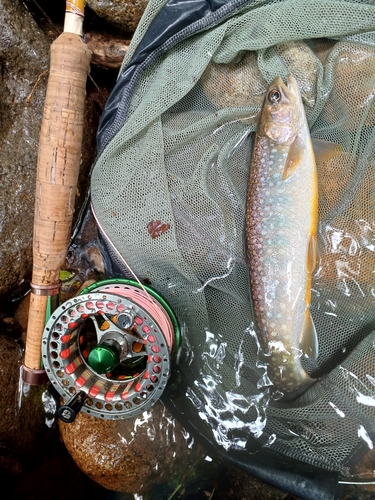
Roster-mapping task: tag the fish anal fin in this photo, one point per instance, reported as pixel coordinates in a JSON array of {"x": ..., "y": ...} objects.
[
  {"x": 325, "y": 151},
  {"x": 309, "y": 338},
  {"x": 313, "y": 256},
  {"x": 294, "y": 157}
]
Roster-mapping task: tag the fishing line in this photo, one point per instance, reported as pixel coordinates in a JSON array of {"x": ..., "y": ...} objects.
[
  {"x": 229, "y": 269},
  {"x": 58, "y": 31},
  {"x": 119, "y": 256},
  {"x": 359, "y": 483},
  {"x": 142, "y": 299}
]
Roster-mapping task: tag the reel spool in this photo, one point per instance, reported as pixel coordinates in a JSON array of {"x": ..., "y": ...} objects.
[{"x": 108, "y": 350}]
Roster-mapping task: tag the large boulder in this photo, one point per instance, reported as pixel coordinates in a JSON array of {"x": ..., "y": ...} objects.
[
  {"x": 132, "y": 455},
  {"x": 108, "y": 50},
  {"x": 24, "y": 64},
  {"x": 124, "y": 14}
]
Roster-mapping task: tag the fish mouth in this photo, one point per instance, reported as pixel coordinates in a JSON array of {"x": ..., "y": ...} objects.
[
  {"x": 292, "y": 84},
  {"x": 289, "y": 90}
]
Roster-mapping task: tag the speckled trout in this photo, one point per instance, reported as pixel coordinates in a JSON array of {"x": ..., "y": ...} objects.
[{"x": 281, "y": 234}]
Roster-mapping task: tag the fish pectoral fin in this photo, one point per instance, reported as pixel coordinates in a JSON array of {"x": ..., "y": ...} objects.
[
  {"x": 309, "y": 338},
  {"x": 313, "y": 256},
  {"x": 325, "y": 151},
  {"x": 294, "y": 157}
]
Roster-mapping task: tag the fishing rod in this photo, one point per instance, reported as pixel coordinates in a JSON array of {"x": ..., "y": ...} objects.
[
  {"x": 59, "y": 158},
  {"x": 107, "y": 351}
]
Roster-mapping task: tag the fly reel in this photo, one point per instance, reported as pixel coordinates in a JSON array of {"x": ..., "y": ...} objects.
[{"x": 108, "y": 350}]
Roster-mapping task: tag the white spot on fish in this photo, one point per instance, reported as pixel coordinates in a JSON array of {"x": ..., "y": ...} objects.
[{"x": 278, "y": 346}]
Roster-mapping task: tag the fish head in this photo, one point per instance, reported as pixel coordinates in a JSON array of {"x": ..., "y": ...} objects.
[{"x": 282, "y": 113}]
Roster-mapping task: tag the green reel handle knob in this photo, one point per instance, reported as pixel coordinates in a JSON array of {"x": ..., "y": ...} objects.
[{"x": 104, "y": 357}]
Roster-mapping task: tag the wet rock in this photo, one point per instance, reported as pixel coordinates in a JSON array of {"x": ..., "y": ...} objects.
[
  {"x": 123, "y": 14},
  {"x": 58, "y": 478},
  {"x": 133, "y": 455},
  {"x": 108, "y": 50},
  {"x": 10, "y": 465},
  {"x": 24, "y": 63},
  {"x": 232, "y": 84},
  {"x": 21, "y": 315},
  {"x": 11, "y": 469},
  {"x": 10, "y": 362},
  {"x": 242, "y": 486},
  {"x": 362, "y": 471},
  {"x": 22, "y": 417}
]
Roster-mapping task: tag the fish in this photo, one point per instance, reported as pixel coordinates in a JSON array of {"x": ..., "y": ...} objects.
[{"x": 281, "y": 223}]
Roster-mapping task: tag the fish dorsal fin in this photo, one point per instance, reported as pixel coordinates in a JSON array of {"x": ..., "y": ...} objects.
[
  {"x": 309, "y": 338},
  {"x": 294, "y": 157},
  {"x": 313, "y": 256}
]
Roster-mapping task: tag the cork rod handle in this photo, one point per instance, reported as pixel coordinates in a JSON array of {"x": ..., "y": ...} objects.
[{"x": 58, "y": 165}]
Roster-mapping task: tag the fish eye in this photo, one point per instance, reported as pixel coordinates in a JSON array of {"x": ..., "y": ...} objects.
[{"x": 274, "y": 96}]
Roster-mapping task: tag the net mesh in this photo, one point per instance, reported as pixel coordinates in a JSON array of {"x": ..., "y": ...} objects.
[{"x": 182, "y": 159}]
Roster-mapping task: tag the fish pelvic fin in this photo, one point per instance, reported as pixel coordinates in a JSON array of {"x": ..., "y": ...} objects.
[
  {"x": 309, "y": 338},
  {"x": 294, "y": 157},
  {"x": 325, "y": 151},
  {"x": 313, "y": 256}
]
